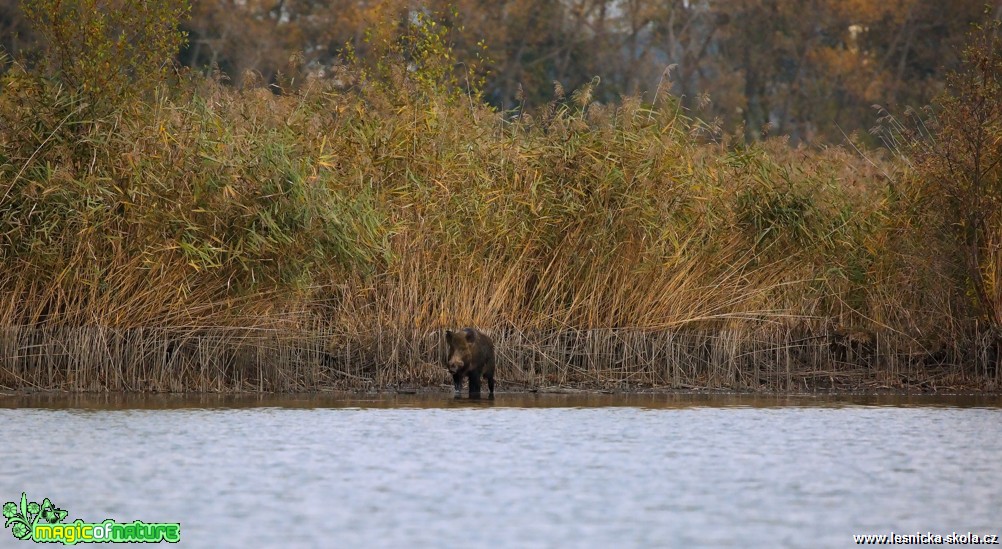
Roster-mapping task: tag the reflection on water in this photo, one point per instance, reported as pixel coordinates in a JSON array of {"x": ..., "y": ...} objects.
[
  {"x": 112, "y": 401},
  {"x": 519, "y": 471}
]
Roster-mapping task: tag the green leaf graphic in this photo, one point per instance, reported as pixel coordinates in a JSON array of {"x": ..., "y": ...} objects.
[
  {"x": 17, "y": 517},
  {"x": 51, "y": 513},
  {"x": 9, "y": 510},
  {"x": 22, "y": 518},
  {"x": 20, "y": 530}
]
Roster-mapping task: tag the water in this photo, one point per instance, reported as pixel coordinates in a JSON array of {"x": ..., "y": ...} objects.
[{"x": 522, "y": 471}]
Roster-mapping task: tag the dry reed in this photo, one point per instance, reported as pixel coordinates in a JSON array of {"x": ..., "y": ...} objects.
[{"x": 201, "y": 238}]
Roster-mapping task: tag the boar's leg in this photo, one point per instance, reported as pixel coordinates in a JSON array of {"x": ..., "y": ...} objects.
[
  {"x": 457, "y": 380},
  {"x": 490, "y": 383},
  {"x": 474, "y": 384}
]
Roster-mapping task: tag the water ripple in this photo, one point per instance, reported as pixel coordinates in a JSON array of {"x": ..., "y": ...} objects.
[{"x": 516, "y": 477}]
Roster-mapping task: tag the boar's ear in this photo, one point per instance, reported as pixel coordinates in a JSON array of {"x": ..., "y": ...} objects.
[
  {"x": 470, "y": 335},
  {"x": 448, "y": 336}
]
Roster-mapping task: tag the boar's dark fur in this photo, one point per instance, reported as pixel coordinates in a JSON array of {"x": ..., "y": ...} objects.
[{"x": 470, "y": 354}]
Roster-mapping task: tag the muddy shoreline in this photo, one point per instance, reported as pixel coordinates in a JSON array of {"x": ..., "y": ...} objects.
[{"x": 443, "y": 397}]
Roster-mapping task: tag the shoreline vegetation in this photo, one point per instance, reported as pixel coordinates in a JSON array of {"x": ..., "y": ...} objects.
[{"x": 162, "y": 231}]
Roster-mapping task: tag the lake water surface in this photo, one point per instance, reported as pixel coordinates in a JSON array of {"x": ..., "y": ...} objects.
[{"x": 520, "y": 471}]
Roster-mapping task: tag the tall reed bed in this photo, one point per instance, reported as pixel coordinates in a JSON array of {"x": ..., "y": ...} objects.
[{"x": 202, "y": 238}]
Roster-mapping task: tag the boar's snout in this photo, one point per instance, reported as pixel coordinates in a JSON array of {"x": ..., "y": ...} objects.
[{"x": 455, "y": 363}]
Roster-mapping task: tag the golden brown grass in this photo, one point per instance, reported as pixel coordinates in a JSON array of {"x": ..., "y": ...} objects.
[{"x": 202, "y": 238}]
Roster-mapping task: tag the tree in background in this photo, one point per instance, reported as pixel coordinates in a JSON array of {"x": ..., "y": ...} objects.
[
  {"x": 16, "y": 35},
  {"x": 807, "y": 69},
  {"x": 960, "y": 158}
]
